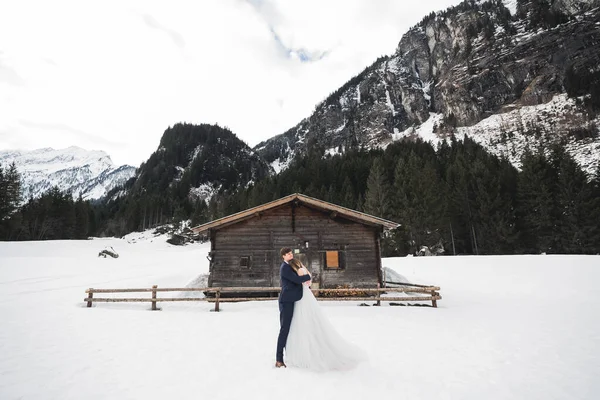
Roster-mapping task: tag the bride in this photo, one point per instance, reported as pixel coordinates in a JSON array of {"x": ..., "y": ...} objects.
[{"x": 313, "y": 342}]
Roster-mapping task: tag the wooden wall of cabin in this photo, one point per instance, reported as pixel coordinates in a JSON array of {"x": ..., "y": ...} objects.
[{"x": 261, "y": 237}]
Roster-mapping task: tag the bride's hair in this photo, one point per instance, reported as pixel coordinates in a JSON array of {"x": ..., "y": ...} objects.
[{"x": 295, "y": 264}]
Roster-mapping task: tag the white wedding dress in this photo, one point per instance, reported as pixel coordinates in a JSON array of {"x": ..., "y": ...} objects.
[{"x": 314, "y": 343}]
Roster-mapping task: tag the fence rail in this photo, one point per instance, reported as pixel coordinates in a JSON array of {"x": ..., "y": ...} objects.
[{"x": 430, "y": 293}]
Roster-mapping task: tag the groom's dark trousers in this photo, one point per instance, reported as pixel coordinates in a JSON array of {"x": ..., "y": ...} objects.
[
  {"x": 286, "y": 312},
  {"x": 291, "y": 291}
]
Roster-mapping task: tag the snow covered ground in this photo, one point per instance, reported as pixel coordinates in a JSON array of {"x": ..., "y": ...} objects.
[{"x": 508, "y": 327}]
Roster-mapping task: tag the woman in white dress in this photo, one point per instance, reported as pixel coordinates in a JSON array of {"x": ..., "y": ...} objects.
[{"x": 313, "y": 342}]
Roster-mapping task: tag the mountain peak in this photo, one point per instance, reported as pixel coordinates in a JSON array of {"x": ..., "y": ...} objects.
[
  {"x": 199, "y": 160},
  {"x": 521, "y": 62},
  {"x": 89, "y": 173}
]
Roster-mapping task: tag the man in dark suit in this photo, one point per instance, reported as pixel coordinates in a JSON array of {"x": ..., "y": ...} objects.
[{"x": 291, "y": 291}]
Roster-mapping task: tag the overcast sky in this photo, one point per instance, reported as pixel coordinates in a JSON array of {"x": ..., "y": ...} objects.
[{"x": 113, "y": 75}]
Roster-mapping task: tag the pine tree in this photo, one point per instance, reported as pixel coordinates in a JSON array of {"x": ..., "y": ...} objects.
[
  {"x": 575, "y": 205},
  {"x": 494, "y": 218},
  {"x": 347, "y": 194},
  {"x": 360, "y": 203},
  {"x": 3, "y": 196},
  {"x": 594, "y": 214},
  {"x": 460, "y": 197},
  {"x": 377, "y": 200},
  {"x": 332, "y": 195},
  {"x": 10, "y": 191},
  {"x": 418, "y": 202},
  {"x": 81, "y": 219},
  {"x": 200, "y": 213},
  {"x": 535, "y": 210}
]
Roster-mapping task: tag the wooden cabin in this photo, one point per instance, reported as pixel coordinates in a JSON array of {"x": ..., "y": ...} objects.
[{"x": 341, "y": 247}]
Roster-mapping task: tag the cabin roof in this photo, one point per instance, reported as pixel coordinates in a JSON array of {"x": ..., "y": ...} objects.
[{"x": 357, "y": 216}]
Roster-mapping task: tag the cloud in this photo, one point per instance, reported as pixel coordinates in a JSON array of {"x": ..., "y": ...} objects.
[
  {"x": 174, "y": 35},
  {"x": 64, "y": 128},
  {"x": 115, "y": 75},
  {"x": 301, "y": 54},
  {"x": 10, "y": 76},
  {"x": 269, "y": 13},
  {"x": 30, "y": 135}
]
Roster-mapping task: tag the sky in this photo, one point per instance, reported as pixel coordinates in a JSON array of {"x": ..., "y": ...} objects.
[{"x": 114, "y": 75}]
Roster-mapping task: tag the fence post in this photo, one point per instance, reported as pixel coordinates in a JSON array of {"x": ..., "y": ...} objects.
[
  {"x": 378, "y": 295},
  {"x": 433, "y": 300},
  {"x": 90, "y": 296},
  {"x": 154, "y": 297},
  {"x": 217, "y": 300}
]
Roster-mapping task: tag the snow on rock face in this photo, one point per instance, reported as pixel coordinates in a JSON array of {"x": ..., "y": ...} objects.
[
  {"x": 279, "y": 165},
  {"x": 510, "y": 133},
  {"x": 505, "y": 134},
  {"x": 90, "y": 174},
  {"x": 511, "y": 5},
  {"x": 204, "y": 192},
  {"x": 573, "y": 7},
  {"x": 50, "y": 160},
  {"x": 558, "y": 120}
]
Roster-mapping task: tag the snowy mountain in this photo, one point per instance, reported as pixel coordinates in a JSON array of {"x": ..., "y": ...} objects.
[
  {"x": 194, "y": 162},
  {"x": 509, "y": 74},
  {"x": 90, "y": 174}
]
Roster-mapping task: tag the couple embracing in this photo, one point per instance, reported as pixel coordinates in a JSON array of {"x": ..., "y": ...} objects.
[{"x": 309, "y": 339}]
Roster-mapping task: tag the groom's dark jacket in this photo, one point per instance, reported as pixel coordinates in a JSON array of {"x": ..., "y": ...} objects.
[{"x": 291, "y": 284}]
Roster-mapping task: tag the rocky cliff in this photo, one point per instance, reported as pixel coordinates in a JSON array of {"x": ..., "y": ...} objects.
[{"x": 525, "y": 73}]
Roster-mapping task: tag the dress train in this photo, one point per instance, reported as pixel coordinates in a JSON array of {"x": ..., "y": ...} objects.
[{"x": 314, "y": 343}]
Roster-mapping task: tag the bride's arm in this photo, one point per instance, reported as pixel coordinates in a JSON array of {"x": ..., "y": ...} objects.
[
  {"x": 304, "y": 271},
  {"x": 289, "y": 274}
]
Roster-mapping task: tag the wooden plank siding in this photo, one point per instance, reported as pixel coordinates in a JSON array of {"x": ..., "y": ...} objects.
[{"x": 293, "y": 225}]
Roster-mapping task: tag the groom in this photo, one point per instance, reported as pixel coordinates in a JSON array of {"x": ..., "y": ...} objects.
[{"x": 291, "y": 291}]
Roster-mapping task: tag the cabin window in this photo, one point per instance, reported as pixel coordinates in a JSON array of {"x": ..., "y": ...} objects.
[
  {"x": 334, "y": 259},
  {"x": 245, "y": 262}
]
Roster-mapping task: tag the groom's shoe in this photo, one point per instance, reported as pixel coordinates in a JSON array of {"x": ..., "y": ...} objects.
[{"x": 280, "y": 364}]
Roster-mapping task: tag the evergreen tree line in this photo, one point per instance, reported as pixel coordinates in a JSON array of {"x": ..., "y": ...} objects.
[
  {"x": 584, "y": 80},
  {"x": 540, "y": 14},
  {"x": 54, "y": 215},
  {"x": 458, "y": 195}
]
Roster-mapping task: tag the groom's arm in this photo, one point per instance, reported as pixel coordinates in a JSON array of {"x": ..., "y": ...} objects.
[{"x": 288, "y": 274}]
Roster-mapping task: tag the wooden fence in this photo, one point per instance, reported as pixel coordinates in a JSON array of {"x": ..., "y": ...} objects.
[{"x": 430, "y": 293}]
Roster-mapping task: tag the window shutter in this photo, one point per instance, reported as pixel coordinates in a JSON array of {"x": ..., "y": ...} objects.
[{"x": 333, "y": 259}]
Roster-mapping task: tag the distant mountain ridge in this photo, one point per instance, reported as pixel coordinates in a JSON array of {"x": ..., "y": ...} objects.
[
  {"x": 90, "y": 174},
  {"x": 509, "y": 74},
  {"x": 191, "y": 164},
  {"x": 198, "y": 160}
]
